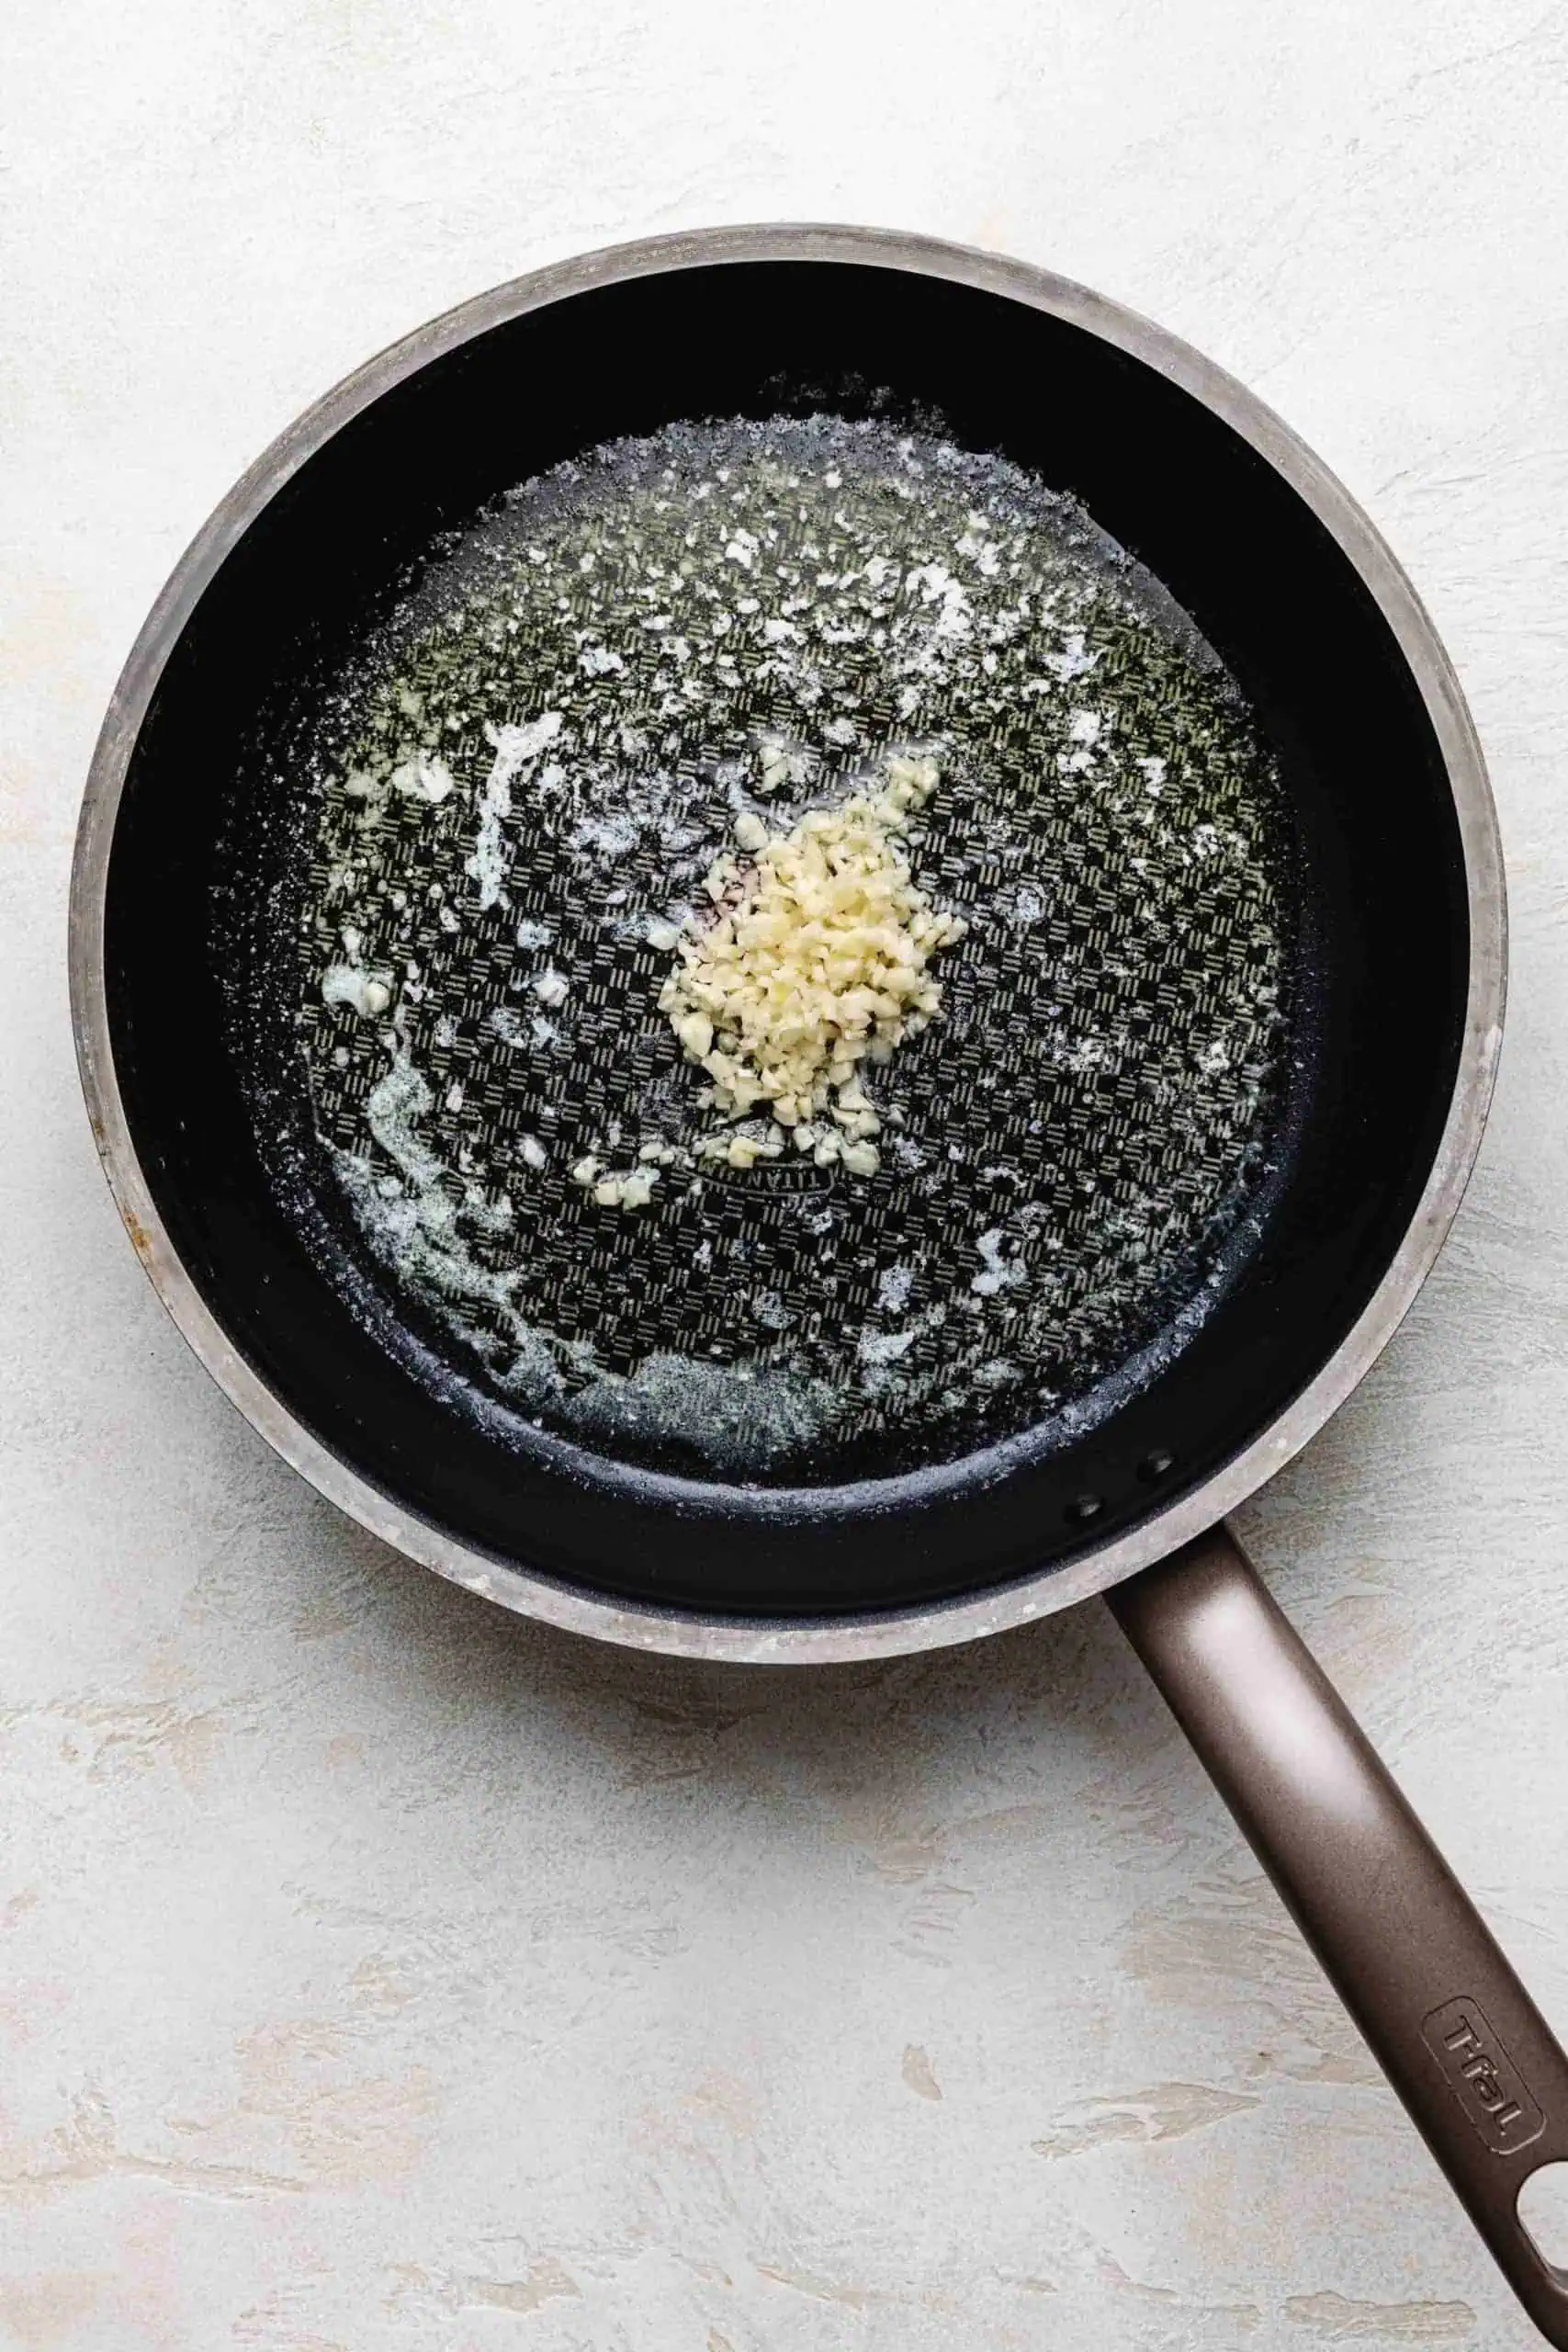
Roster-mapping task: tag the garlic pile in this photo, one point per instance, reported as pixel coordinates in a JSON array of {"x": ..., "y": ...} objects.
[{"x": 816, "y": 961}]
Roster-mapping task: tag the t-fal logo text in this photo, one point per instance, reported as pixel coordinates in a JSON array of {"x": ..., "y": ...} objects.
[{"x": 1489, "y": 2085}]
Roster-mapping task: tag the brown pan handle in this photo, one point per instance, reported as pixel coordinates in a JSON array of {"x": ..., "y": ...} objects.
[{"x": 1445, "y": 2016}]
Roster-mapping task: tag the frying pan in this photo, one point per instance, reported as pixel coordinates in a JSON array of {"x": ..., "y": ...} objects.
[{"x": 1397, "y": 986}]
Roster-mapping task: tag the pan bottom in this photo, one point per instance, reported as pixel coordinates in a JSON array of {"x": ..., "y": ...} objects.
[{"x": 498, "y": 806}]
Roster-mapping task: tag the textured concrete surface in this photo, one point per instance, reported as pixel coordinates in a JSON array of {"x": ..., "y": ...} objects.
[{"x": 378, "y": 1972}]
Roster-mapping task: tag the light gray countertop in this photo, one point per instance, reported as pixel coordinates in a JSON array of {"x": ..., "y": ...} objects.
[{"x": 377, "y": 1971}]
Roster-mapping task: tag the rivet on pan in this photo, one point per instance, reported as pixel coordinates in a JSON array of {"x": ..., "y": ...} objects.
[
  {"x": 1154, "y": 1465},
  {"x": 1086, "y": 1507}
]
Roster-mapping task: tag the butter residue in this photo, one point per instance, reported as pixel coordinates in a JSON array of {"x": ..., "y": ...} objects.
[
  {"x": 816, "y": 961},
  {"x": 366, "y": 993},
  {"x": 517, "y": 748}
]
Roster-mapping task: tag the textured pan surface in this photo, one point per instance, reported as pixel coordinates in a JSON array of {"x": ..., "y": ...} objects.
[{"x": 543, "y": 753}]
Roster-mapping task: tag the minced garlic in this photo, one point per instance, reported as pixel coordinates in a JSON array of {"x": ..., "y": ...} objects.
[
  {"x": 628, "y": 1187},
  {"x": 632, "y": 1191},
  {"x": 816, "y": 960}
]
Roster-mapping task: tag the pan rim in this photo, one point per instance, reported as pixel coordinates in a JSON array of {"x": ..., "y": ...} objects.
[{"x": 824, "y": 1639}]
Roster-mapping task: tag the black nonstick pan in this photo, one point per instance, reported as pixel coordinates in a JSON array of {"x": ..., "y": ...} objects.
[{"x": 414, "y": 781}]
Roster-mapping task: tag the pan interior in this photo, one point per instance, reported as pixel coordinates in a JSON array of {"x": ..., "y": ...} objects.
[
  {"x": 253, "y": 703},
  {"x": 536, "y": 758}
]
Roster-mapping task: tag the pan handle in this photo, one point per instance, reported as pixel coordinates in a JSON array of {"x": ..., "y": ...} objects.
[{"x": 1444, "y": 2014}]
